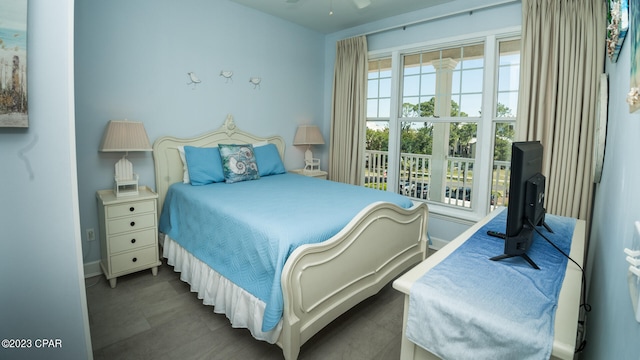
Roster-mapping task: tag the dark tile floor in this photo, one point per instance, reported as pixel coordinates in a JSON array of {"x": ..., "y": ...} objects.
[{"x": 147, "y": 317}]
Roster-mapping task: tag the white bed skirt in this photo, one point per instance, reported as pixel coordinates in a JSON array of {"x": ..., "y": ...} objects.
[{"x": 241, "y": 308}]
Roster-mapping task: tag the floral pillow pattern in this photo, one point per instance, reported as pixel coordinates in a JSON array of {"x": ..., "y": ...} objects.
[{"x": 238, "y": 163}]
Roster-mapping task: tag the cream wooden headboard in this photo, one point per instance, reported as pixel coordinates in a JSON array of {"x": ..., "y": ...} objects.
[{"x": 169, "y": 167}]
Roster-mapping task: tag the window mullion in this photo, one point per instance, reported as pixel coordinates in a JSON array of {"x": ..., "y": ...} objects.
[
  {"x": 394, "y": 123},
  {"x": 485, "y": 125}
]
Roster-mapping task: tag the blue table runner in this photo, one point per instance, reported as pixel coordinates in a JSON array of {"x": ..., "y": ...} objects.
[{"x": 469, "y": 307}]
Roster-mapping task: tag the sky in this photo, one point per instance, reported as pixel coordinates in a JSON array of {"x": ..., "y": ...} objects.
[{"x": 13, "y": 14}]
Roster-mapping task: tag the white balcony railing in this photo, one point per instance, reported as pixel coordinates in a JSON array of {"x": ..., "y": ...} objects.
[{"x": 415, "y": 177}]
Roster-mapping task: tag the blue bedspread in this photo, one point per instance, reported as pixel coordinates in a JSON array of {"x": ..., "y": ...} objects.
[
  {"x": 469, "y": 307},
  {"x": 247, "y": 230}
]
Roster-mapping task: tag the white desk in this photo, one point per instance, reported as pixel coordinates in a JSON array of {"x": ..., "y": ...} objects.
[{"x": 566, "y": 320}]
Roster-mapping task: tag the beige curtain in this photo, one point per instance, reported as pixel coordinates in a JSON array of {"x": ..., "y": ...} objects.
[
  {"x": 348, "y": 111},
  {"x": 563, "y": 45}
]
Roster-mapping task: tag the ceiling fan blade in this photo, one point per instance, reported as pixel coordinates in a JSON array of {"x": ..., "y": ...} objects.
[{"x": 361, "y": 4}]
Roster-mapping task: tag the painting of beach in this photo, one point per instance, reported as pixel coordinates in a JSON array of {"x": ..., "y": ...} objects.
[
  {"x": 634, "y": 17},
  {"x": 13, "y": 64}
]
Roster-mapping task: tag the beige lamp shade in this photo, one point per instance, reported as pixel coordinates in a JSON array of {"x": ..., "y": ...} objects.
[
  {"x": 125, "y": 136},
  {"x": 308, "y": 135}
]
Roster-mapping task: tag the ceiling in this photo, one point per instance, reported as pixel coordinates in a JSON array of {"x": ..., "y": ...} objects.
[{"x": 314, "y": 14}]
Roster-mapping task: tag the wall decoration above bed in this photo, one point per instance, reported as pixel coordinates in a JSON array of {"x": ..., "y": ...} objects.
[
  {"x": 255, "y": 81},
  {"x": 193, "y": 79},
  {"x": 227, "y": 74}
]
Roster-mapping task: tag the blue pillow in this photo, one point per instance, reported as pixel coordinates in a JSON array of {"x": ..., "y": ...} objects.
[
  {"x": 238, "y": 163},
  {"x": 268, "y": 160},
  {"x": 204, "y": 165}
]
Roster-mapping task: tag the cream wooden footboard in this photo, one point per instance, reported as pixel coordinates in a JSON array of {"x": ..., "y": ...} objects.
[{"x": 320, "y": 281}]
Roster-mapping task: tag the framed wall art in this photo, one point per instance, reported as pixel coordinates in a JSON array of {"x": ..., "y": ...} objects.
[
  {"x": 600, "y": 136},
  {"x": 633, "y": 98},
  {"x": 13, "y": 64},
  {"x": 617, "y": 28}
]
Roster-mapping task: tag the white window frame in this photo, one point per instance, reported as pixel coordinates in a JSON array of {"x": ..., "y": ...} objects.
[{"x": 481, "y": 189}]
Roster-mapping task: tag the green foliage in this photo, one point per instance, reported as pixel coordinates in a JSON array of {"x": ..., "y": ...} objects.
[
  {"x": 503, "y": 111},
  {"x": 504, "y": 135},
  {"x": 420, "y": 140},
  {"x": 377, "y": 186},
  {"x": 427, "y": 109},
  {"x": 378, "y": 139}
]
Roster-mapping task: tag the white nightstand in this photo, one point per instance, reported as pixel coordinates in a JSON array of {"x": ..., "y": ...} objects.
[
  {"x": 314, "y": 173},
  {"x": 128, "y": 233}
]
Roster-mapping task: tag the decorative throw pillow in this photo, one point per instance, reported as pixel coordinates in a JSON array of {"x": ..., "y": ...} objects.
[
  {"x": 204, "y": 165},
  {"x": 268, "y": 160},
  {"x": 238, "y": 163}
]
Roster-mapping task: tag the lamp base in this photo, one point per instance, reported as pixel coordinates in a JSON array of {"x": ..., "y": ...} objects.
[
  {"x": 126, "y": 181},
  {"x": 126, "y": 187},
  {"x": 310, "y": 164}
]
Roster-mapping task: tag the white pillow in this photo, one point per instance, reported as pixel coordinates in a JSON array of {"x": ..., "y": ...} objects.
[{"x": 185, "y": 175}]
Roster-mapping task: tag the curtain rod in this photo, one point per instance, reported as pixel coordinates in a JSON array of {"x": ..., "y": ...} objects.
[{"x": 438, "y": 17}]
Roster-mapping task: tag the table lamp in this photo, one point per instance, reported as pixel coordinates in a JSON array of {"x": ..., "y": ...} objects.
[
  {"x": 309, "y": 135},
  {"x": 125, "y": 136}
]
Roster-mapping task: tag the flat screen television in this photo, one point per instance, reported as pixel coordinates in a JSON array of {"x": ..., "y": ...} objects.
[{"x": 526, "y": 201}]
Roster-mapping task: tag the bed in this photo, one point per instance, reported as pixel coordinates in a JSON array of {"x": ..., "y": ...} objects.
[{"x": 318, "y": 281}]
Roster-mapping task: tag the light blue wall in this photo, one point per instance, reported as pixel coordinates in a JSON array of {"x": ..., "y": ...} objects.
[
  {"x": 132, "y": 59},
  {"x": 43, "y": 294},
  {"x": 612, "y": 332}
]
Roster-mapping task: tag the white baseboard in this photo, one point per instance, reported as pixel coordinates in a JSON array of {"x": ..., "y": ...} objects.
[
  {"x": 92, "y": 269},
  {"x": 437, "y": 244}
]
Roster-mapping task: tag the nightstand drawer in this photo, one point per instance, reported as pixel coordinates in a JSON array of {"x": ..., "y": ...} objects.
[
  {"x": 134, "y": 259},
  {"x": 130, "y": 208},
  {"x": 131, "y": 223},
  {"x": 128, "y": 233},
  {"x": 133, "y": 240}
]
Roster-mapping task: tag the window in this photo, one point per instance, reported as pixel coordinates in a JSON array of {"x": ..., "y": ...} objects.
[
  {"x": 441, "y": 104},
  {"x": 508, "y": 78},
  {"x": 443, "y": 82},
  {"x": 378, "y": 111},
  {"x": 504, "y": 119},
  {"x": 379, "y": 89},
  {"x": 427, "y": 134}
]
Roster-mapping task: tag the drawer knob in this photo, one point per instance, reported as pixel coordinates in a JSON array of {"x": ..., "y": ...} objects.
[
  {"x": 133, "y": 241},
  {"x": 134, "y": 259},
  {"x": 132, "y": 209},
  {"x": 133, "y": 223}
]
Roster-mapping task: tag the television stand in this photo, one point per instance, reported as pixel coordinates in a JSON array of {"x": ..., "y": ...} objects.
[
  {"x": 568, "y": 305},
  {"x": 524, "y": 256},
  {"x": 541, "y": 222},
  {"x": 517, "y": 245}
]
